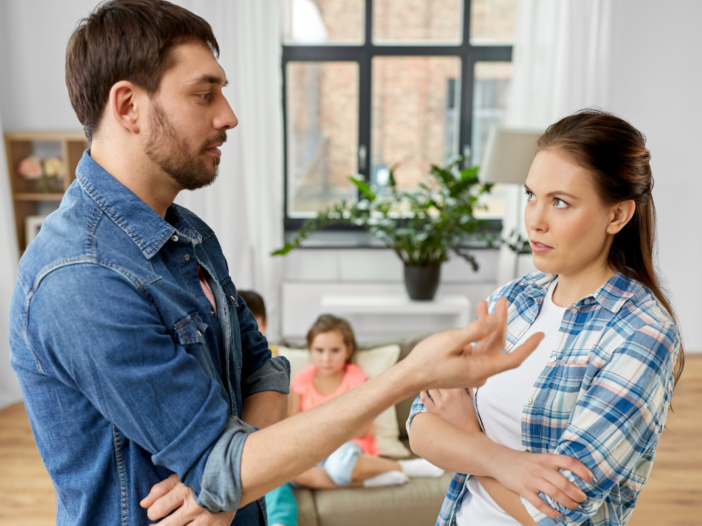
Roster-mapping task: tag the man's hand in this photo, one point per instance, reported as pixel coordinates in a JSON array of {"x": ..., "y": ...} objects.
[
  {"x": 170, "y": 494},
  {"x": 448, "y": 359}
]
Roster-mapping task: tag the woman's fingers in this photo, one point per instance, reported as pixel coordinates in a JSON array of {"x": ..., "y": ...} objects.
[
  {"x": 553, "y": 491},
  {"x": 426, "y": 400},
  {"x": 540, "y": 505},
  {"x": 159, "y": 490},
  {"x": 575, "y": 466}
]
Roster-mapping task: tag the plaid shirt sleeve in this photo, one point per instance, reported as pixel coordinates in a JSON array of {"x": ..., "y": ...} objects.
[{"x": 617, "y": 420}]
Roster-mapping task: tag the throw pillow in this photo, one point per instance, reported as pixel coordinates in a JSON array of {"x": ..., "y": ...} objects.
[{"x": 372, "y": 362}]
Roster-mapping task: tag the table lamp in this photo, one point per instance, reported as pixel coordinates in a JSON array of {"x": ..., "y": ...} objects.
[{"x": 507, "y": 159}]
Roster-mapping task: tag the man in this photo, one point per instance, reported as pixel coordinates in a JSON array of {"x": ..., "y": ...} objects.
[{"x": 138, "y": 361}]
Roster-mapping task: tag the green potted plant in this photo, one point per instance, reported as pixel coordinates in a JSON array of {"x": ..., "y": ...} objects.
[{"x": 424, "y": 226}]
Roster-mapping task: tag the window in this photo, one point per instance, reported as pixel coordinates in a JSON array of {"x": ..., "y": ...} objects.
[{"x": 369, "y": 84}]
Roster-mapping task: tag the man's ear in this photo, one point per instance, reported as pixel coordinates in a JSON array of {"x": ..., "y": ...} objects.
[
  {"x": 621, "y": 215},
  {"x": 123, "y": 105}
]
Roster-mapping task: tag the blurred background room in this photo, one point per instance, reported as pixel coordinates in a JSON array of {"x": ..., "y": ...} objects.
[{"x": 328, "y": 88}]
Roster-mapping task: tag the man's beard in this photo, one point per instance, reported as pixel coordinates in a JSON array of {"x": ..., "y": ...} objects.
[{"x": 187, "y": 166}]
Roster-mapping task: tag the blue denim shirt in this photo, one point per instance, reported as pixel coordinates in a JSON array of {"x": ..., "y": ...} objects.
[{"x": 128, "y": 373}]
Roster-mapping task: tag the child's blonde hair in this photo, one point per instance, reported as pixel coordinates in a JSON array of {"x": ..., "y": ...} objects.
[{"x": 329, "y": 323}]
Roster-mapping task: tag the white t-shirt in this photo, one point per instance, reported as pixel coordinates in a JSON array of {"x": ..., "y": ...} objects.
[{"x": 500, "y": 402}]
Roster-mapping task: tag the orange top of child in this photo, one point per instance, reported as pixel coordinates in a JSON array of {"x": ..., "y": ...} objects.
[{"x": 303, "y": 384}]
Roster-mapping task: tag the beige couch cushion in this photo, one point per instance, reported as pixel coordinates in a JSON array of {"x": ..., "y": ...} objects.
[
  {"x": 306, "y": 512},
  {"x": 416, "y": 503}
]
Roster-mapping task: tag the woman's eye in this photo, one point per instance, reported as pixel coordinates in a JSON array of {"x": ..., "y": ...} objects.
[
  {"x": 560, "y": 203},
  {"x": 529, "y": 195}
]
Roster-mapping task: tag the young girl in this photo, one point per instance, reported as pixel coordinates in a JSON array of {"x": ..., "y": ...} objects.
[
  {"x": 574, "y": 429},
  {"x": 331, "y": 342}
]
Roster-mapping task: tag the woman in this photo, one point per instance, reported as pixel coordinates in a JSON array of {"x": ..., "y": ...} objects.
[{"x": 574, "y": 429}]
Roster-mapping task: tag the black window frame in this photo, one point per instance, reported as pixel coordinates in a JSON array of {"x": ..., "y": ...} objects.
[{"x": 363, "y": 55}]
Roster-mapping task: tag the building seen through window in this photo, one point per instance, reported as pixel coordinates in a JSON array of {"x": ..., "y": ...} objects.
[{"x": 371, "y": 84}]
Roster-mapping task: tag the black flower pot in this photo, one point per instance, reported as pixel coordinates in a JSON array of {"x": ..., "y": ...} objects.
[{"x": 421, "y": 282}]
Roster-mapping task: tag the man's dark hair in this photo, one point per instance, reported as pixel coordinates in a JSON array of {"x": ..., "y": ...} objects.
[
  {"x": 126, "y": 40},
  {"x": 255, "y": 303}
]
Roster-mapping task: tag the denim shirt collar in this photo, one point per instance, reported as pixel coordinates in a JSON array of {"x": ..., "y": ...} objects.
[
  {"x": 612, "y": 295},
  {"x": 137, "y": 219}
]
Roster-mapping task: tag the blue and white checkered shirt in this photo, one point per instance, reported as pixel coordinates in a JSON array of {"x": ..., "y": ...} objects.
[{"x": 603, "y": 401}]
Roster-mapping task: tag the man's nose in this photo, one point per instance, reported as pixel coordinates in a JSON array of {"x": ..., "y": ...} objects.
[{"x": 226, "y": 118}]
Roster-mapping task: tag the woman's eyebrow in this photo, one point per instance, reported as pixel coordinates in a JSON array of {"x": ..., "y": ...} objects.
[
  {"x": 559, "y": 192},
  {"x": 554, "y": 193}
]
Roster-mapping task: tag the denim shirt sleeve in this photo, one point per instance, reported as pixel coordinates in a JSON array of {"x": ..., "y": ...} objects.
[
  {"x": 260, "y": 371},
  {"x": 110, "y": 343},
  {"x": 274, "y": 375},
  {"x": 617, "y": 422},
  {"x": 221, "y": 480}
]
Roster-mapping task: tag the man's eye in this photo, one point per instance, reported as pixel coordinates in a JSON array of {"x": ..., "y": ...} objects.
[{"x": 204, "y": 96}]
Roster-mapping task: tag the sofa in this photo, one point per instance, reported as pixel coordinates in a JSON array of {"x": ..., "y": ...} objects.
[{"x": 416, "y": 503}]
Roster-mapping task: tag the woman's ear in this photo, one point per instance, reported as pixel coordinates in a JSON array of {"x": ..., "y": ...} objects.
[{"x": 620, "y": 216}]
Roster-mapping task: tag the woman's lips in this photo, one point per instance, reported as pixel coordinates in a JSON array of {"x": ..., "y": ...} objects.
[{"x": 539, "y": 248}]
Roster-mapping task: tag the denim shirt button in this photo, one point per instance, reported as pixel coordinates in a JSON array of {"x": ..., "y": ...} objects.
[
  {"x": 174, "y": 238},
  {"x": 187, "y": 257}
]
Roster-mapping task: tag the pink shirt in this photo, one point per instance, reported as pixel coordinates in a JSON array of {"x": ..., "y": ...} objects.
[{"x": 303, "y": 384}]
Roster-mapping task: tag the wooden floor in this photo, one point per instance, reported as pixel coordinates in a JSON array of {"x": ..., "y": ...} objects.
[{"x": 672, "y": 496}]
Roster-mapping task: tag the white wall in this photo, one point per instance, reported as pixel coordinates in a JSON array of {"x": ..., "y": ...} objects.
[
  {"x": 33, "y": 38},
  {"x": 656, "y": 82}
]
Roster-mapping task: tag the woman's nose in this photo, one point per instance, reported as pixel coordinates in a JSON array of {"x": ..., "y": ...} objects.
[{"x": 534, "y": 218}]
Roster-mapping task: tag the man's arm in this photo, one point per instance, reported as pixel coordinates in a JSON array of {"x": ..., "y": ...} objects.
[
  {"x": 243, "y": 466},
  {"x": 440, "y": 360},
  {"x": 265, "y": 408}
]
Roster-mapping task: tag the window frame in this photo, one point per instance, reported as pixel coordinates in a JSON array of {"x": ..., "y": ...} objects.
[{"x": 363, "y": 55}]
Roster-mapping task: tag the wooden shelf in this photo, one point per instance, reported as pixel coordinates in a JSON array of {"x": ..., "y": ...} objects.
[
  {"x": 46, "y": 136},
  {"x": 27, "y": 199},
  {"x": 38, "y": 197}
]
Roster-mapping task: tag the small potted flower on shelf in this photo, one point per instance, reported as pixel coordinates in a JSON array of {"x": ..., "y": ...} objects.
[{"x": 48, "y": 173}]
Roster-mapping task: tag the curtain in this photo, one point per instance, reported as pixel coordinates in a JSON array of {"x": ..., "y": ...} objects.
[
  {"x": 245, "y": 205},
  {"x": 9, "y": 256},
  {"x": 560, "y": 65},
  {"x": 560, "y": 60}
]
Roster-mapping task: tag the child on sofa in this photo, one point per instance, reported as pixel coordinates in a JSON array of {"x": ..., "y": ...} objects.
[
  {"x": 281, "y": 505},
  {"x": 331, "y": 342}
]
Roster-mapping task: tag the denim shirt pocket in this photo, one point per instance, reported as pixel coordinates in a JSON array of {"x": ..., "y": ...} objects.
[{"x": 189, "y": 332}]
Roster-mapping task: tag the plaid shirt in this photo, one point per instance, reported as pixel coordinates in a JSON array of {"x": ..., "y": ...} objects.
[{"x": 603, "y": 400}]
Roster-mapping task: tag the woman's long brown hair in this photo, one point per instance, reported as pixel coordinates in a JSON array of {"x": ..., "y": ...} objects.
[{"x": 615, "y": 153}]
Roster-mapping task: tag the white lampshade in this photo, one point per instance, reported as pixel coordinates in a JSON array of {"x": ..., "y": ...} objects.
[{"x": 508, "y": 155}]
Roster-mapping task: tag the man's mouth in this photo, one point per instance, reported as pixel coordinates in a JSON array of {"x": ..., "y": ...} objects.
[
  {"x": 539, "y": 248},
  {"x": 214, "y": 149}
]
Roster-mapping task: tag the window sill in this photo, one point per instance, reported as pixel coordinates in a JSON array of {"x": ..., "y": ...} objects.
[{"x": 359, "y": 239}]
